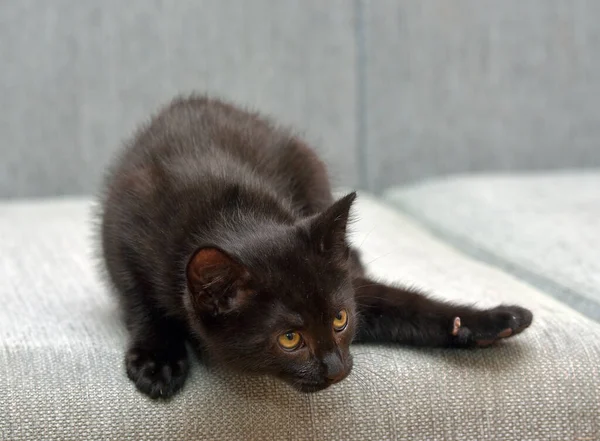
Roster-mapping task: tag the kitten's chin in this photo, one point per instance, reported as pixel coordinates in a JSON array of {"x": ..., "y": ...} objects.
[
  {"x": 304, "y": 385},
  {"x": 313, "y": 386},
  {"x": 309, "y": 388}
]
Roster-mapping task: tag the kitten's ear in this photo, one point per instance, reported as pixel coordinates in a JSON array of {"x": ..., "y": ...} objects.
[
  {"x": 329, "y": 228},
  {"x": 218, "y": 284}
]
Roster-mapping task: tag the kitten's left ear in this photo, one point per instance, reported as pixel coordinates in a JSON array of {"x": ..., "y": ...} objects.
[
  {"x": 218, "y": 283},
  {"x": 329, "y": 228}
]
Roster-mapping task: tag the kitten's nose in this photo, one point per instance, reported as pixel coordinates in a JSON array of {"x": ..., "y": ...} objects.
[{"x": 334, "y": 367}]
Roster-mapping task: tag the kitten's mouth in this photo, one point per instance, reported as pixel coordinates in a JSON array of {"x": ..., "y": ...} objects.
[
  {"x": 305, "y": 385},
  {"x": 313, "y": 386},
  {"x": 310, "y": 387}
]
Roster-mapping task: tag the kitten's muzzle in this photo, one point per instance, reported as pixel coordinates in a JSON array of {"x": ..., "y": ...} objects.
[{"x": 335, "y": 368}]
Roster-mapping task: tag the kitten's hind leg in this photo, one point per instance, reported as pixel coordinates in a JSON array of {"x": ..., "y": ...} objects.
[
  {"x": 156, "y": 360},
  {"x": 390, "y": 314}
]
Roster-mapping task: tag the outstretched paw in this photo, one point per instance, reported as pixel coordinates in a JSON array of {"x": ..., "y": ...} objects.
[
  {"x": 484, "y": 328},
  {"x": 159, "y": 374}
]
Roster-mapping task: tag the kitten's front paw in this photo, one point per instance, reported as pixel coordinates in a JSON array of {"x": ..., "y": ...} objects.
[
  {"x": 159, "y": 374},
  {"x": 486, "y": 327}
]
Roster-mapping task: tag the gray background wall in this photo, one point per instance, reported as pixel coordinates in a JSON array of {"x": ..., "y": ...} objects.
[
  {"x": 388, "y": 91},
  {"x": 454, "y": 86}
]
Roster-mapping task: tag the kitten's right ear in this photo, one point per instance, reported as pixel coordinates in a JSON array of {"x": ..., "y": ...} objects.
[
  {"x": 329, "y": 228},
  {"x": 218, "y": 284}
]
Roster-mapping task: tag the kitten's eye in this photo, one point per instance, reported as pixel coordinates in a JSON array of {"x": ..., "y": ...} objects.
[
  {"x": 340, "y": 321},
  {"x": 290, "y": 340}
]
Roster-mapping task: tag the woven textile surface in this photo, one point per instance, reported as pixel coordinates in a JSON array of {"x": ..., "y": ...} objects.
[
  {"x": 543, "y": 227},
  {"x": 61, "y": 353}
]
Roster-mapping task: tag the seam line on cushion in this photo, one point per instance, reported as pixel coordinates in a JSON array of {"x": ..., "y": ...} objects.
[
  {"x": 361, "y": 96},
  {"x": 570, "y": 297}
]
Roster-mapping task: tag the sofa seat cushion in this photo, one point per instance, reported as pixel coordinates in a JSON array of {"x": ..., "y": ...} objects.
[
  {"x": 62, "y": 342},
  {"x": 544, "y": 228}
]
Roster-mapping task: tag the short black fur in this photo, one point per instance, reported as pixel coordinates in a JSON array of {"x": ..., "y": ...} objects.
[{"x": 220, "y": 228}]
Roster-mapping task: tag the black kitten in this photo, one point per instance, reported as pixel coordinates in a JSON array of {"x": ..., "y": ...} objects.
[{"x": 221, "y": 228}]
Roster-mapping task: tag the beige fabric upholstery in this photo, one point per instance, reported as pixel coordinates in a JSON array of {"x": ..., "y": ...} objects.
[{"x": 61, "y": 347}]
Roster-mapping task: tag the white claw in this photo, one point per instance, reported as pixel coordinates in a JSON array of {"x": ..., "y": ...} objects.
[{"x": 456, "y": 326}]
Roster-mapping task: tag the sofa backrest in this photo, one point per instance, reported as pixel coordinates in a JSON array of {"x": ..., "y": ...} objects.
[{"x": 388, "y": 91}]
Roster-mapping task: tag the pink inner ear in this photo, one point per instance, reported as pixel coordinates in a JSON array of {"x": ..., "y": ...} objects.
[
  {"x": 208, "y": 261},
  {"x": 210, "y": 257},
  {"x": 218, "y": 282}
]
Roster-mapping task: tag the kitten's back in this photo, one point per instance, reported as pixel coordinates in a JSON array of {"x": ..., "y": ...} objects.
[
  {"x": 207, "y": 140},
  {"x": 198, "y": 167}
]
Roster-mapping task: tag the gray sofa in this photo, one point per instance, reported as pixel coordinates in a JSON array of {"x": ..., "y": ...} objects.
[{"x": 470, "y": 128}]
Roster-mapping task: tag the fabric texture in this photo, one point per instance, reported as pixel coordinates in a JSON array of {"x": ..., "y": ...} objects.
[
  {"x": 542, "y": 227},
  {"x": 61, "y": 354}
]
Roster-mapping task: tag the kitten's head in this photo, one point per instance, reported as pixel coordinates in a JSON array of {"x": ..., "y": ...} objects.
[{"x": 279, "y": 301}]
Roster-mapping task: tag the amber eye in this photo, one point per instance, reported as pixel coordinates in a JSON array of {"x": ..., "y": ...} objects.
[
  {"x": 290, "y": 340},
  {"x": 340, "y": 321}
]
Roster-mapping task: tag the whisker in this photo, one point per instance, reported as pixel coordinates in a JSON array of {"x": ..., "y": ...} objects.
[
  {"x": 370, "y": 368},
  {"x": 386, "y": 381},
  {"x": 366, "y": 237},
  {"x": 367, "y": 285},
  {"x": 377, "y": 258},
  {"x": 361, "y": 380}
]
